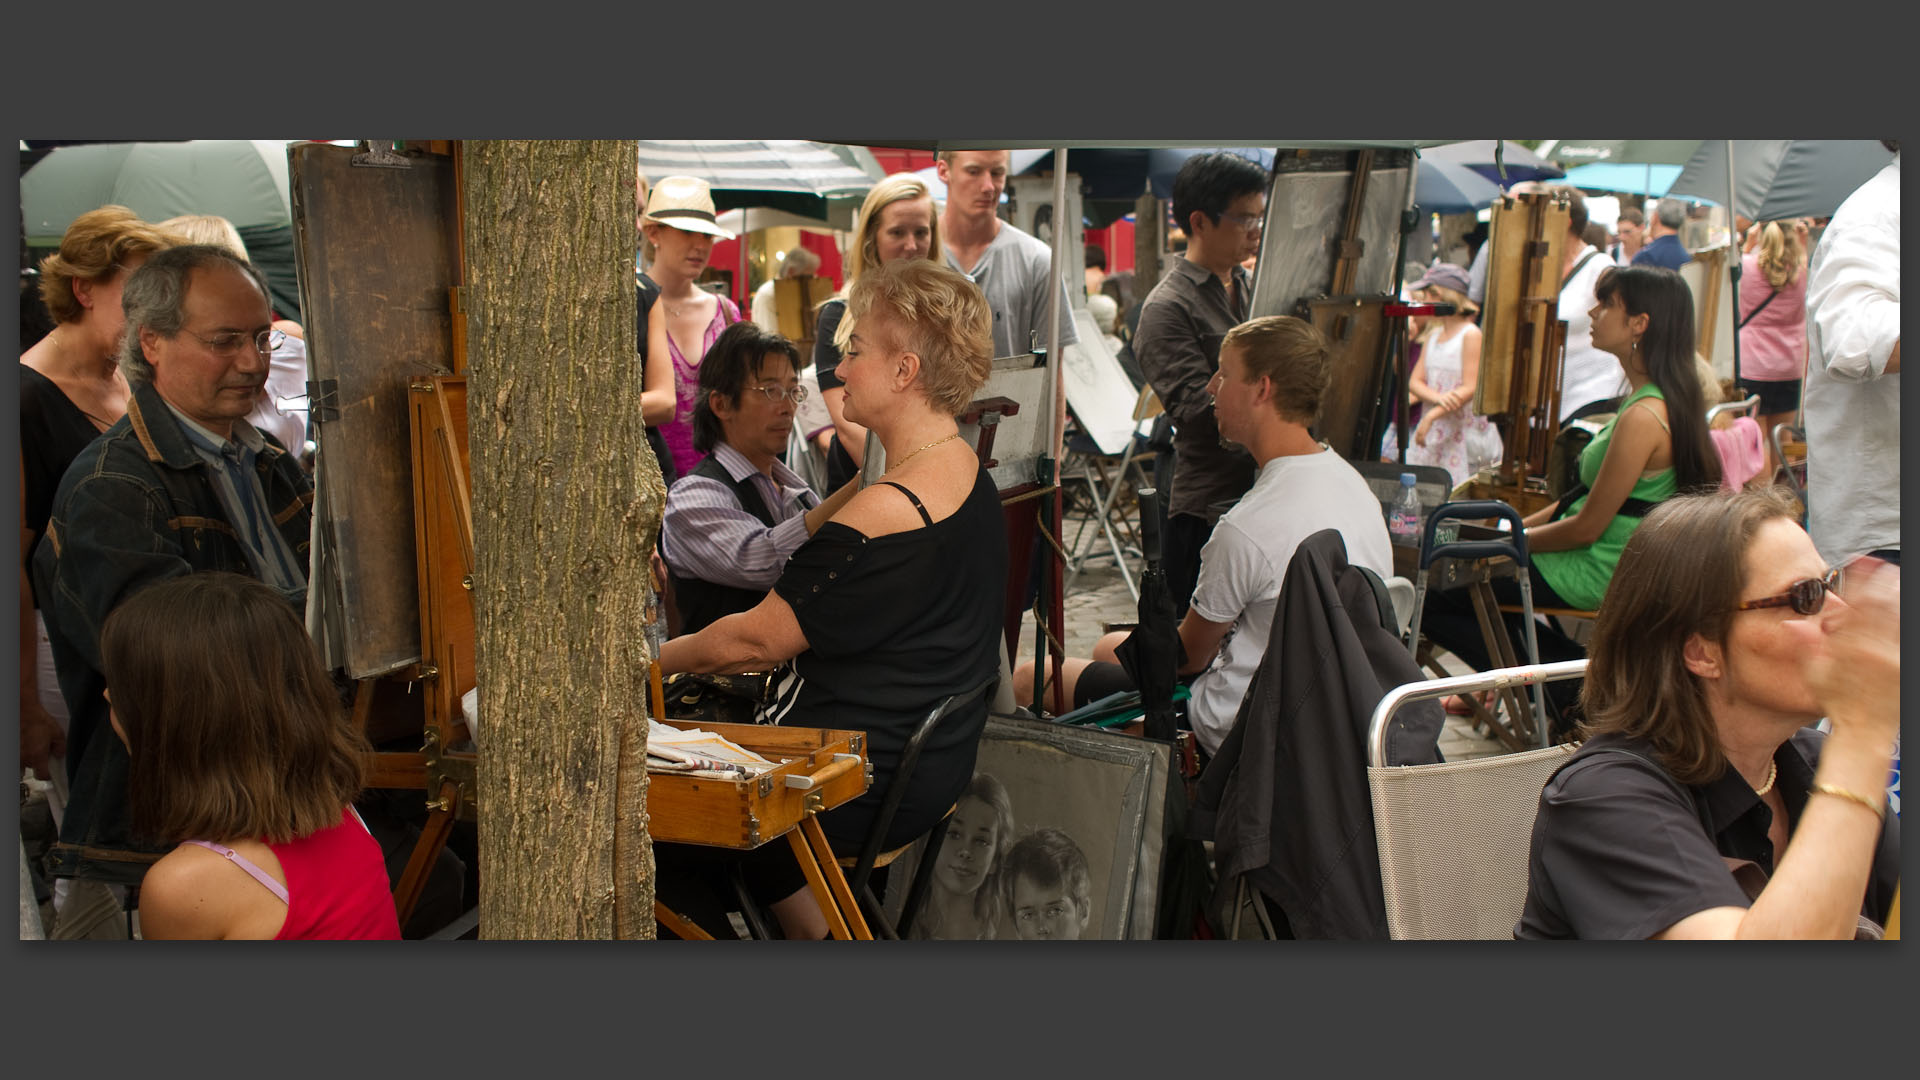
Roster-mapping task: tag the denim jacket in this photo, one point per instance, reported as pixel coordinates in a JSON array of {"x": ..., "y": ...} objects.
[{"x": 135, "y": 508}]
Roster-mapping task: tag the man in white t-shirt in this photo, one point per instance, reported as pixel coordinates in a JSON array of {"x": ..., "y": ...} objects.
[
  {"x": 1591, "y": 378},
  {"x": 1273, "y": 374},
  {"x": 1009, "y": 265}
]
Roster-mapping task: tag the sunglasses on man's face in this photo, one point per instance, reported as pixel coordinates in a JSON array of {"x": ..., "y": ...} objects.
[{"x": 1806, "y": 596}]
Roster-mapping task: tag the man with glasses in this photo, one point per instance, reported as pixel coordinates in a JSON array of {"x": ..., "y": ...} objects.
[
  {"x": 733, "y": 520},
  {"x": 1220, "y": 201},
  {"x": 182, "y": 484}
]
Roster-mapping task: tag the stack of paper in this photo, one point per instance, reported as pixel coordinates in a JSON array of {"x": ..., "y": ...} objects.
[{"x": 700, "y": 753}]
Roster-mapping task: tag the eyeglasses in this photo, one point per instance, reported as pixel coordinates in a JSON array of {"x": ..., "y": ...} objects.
[
  {"x": 796, "y": 393},
  {"x": 1806, "y": 596},
  {"x": 1244, "y": 221},
  {"x": 232, "y": 342}
]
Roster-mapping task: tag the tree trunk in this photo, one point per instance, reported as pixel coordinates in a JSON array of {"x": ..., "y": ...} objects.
[{"x": 567, "y": 501}]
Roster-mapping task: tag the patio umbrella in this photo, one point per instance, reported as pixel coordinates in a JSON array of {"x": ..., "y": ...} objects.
[
  {"x": 1649, "y": 180},
  {"x": 1448, "y": 187},
  {"x": 242, "y": 180},
  {"x": 1519, "y": 162},
  {"x": 1783, "y": 178},
  {"x": 1569, "y": 152},
  {"x": 794, "y": 175}
]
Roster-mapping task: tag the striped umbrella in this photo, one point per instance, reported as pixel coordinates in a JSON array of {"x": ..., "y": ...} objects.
[{"x": 794, "y": 175}]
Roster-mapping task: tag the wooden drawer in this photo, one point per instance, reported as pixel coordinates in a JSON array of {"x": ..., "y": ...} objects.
[{"x": 747, "y": 813}]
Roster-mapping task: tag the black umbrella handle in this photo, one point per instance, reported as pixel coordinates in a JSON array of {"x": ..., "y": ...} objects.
[{"x": 1149, "y": 524}]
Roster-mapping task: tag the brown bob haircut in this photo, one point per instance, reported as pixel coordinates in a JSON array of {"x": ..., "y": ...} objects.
[
  {"x": 94, "y": 248},
  {"x": 939, "y": 315},
  {"x": 1293, "y": 354},
  {"x": 233, "y": 729},
  {"x": 1680, "y": 574}
]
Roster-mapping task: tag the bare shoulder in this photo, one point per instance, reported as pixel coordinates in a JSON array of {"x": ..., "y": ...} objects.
[
  {"x": 186, "y": 895},
  {"x": 941, "y": 487},
  {"x": 194, "y": 893},
  {"x": 880, "y": 509}
]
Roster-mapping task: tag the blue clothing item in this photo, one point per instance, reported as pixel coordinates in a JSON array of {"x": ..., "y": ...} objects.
[
  {"x": 234, "y": 463},
  {"x": 138, "y": 506},
  {"x": 1666, "y": 251}
]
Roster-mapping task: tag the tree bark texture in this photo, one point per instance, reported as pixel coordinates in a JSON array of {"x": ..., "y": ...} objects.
[{"x": 567, "y": 500}]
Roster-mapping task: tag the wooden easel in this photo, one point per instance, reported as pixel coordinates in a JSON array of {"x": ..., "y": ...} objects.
[{"x": 1524, "y": 343}]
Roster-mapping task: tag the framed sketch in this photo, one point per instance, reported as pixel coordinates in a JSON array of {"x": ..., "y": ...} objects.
[
  {"x": 1098, "y": 391},
  {"x": 1056, "y": 838}
]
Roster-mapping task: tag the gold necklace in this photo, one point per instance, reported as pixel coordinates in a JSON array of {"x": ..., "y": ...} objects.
[
  {"x": 902, "y": 462},
  {"x": 1773, "y": 770}
]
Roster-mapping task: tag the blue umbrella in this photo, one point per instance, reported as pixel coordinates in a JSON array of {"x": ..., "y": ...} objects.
[
  {"x": 1446, "y": 187},
  {"x": 1646, "y": 179}
]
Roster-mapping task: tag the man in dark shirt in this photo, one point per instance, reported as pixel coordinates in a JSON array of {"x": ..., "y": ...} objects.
[
  {"x": 1220, "y": 199},
  {"x": 1666, "y": 249}
]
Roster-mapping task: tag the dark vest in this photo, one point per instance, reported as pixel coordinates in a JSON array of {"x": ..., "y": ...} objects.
[{"x": 701, "y": 601}]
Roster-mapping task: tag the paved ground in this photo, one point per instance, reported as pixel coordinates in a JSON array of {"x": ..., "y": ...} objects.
[{"x": 1099, "y": 597}]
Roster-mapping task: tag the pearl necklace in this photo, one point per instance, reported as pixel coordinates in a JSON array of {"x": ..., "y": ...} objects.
[
  {"x": 1773, "y": 770},
  {"x": 902, "y": 462}
]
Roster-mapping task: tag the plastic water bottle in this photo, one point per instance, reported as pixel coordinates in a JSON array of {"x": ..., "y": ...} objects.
[{"x": 1403, "y": 517}]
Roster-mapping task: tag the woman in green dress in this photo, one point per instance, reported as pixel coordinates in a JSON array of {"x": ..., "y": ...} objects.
[{"x": 1655, "y": 446}]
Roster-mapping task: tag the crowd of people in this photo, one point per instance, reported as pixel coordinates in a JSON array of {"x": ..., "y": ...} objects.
[{"x": 165, "y": 503}]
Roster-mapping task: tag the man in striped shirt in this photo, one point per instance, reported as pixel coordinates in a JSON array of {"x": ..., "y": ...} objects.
[{"x": 734, "y": 519}]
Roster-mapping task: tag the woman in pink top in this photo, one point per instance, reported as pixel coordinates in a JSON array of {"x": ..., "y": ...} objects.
[
  {"x": 680, "y": 229},
  {"x": 1773, "y": 320},
  {"x": 241, "y": 754}
]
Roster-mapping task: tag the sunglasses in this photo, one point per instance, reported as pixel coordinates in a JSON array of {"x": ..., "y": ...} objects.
[{"x": 1806, "y": 596}]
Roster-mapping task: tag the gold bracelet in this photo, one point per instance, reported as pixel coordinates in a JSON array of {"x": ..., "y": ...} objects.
[{"x": 1878, "y": 806}]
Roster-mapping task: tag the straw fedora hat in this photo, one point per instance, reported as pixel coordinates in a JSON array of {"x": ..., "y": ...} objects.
[{"x": 683, "y": 202}]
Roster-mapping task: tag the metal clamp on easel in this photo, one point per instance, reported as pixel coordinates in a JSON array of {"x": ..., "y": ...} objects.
[
  {"x": 323, "y": 400},
  {"x": 988, "y": 412},
  {"x": 381, "y": 154}
]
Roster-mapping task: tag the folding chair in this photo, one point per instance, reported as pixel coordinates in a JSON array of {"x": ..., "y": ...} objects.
[
  {"x": 1790, "y": 450},
  {"x": 1454, "y": 838},
  {"x": 1104, "y": 489},
  {"x": 1749, "y": 407},
  {"x": 859, "y": 868}
]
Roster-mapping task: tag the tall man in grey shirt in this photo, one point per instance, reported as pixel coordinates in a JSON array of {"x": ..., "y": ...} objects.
[
  {"x": 1220, "y": 199},
  {"x": 1009, "y": 265}
]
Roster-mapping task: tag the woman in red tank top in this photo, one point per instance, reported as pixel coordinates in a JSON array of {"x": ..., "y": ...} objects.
[{"x": 240, "y": 754}]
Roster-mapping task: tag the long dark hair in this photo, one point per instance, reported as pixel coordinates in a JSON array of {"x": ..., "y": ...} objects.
[
  {"x": 234, "y": 730},
  {"x": 1667, "y": 350},
  {"x": 736, "y": 357}
]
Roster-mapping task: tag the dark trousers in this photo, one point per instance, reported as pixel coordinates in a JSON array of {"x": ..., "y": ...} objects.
[
  {"x": 1448, "y": 620},
  {"x": 1180, "y": 557}
]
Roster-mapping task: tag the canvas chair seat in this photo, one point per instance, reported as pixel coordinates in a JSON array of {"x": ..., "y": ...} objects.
[
  {"x": 1454, "y": 838},
  {"x": 1454, "y": 842}
]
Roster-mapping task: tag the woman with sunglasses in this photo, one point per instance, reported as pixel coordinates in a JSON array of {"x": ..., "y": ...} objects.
[
  {"x": 1655, "y": 446},
  {"x": 1703, "y": 805}
]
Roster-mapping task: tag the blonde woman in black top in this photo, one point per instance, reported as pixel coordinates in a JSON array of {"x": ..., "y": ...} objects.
[{"x": 895, "y": 603}]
